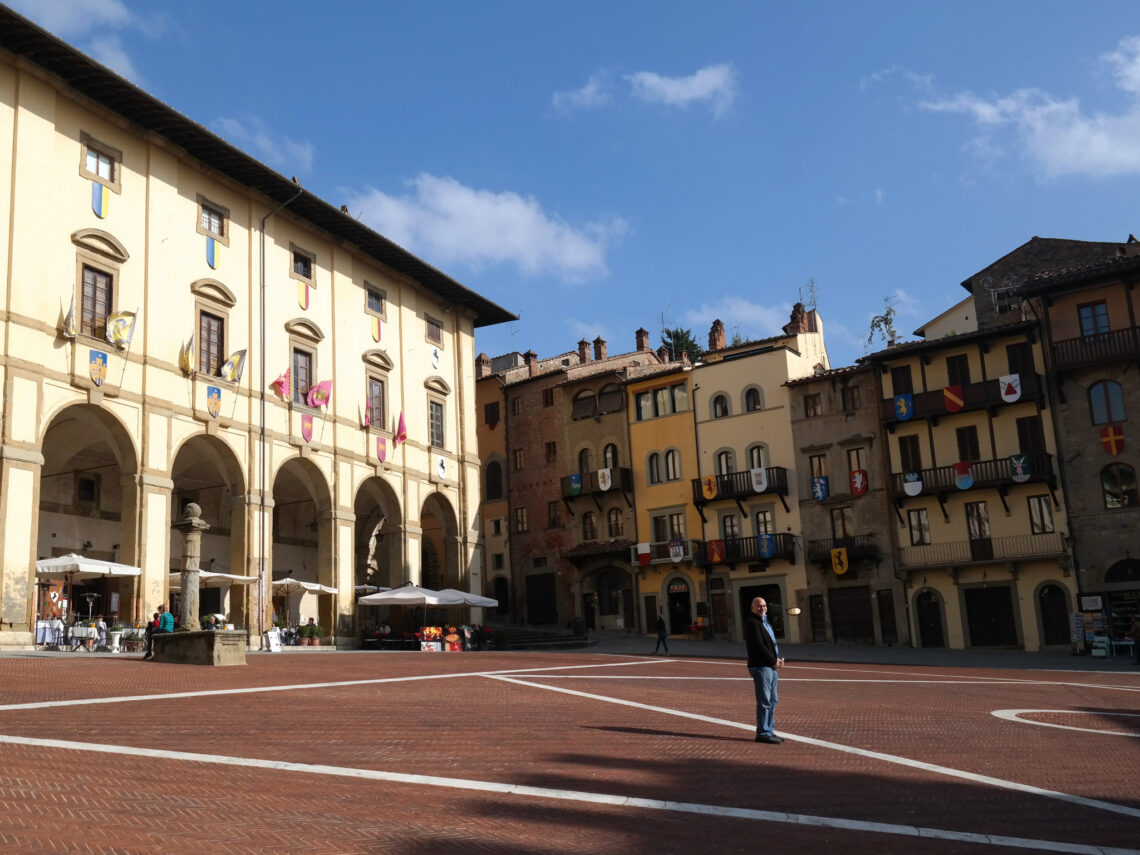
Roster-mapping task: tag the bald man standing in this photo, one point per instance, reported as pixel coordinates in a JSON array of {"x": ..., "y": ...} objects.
[{"x": 763, "y": 663}]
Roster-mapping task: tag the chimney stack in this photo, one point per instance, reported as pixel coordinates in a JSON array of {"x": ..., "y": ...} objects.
[
  {"x": 583, "y": 351},
  {"x": 599, "y": 348},
  {"x": 531, "y": 360},
  {"x": 642, "y": 337},
  {"x": 482, "y": 366},
  {"x": 663, "y": 353},
  {"x": 716, "y": 335}
]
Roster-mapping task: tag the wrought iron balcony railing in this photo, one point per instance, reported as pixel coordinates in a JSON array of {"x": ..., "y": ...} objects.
[
  {"x": 660, "y": 552},
  {"x": 958, "y": 552},
  {"x": 738, "y": 485},
  {"x": 984, "y": 473},
  {"x": 746, "y": 549},
  {"x": 1113, "y": 346},
  {"x": 858, "y": 546},
  {"x": 620, "y": 479},
  {"x": 975, "y": 396}
]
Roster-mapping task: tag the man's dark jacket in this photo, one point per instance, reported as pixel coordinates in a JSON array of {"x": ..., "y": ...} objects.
[{"x": 761, "y": 647}]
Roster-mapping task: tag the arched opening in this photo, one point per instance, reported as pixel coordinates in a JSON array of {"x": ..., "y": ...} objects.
[
  {"x": 207, "y": 473},
  {"x": 680, "y": 606},
  {"x": 1053, "y": 603},
  {"x": 301, "y": 549},
  {"x": 88, "y": 505}
]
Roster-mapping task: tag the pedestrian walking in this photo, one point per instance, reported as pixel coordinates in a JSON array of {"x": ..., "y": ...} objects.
[{"x": 662, "y": 635}]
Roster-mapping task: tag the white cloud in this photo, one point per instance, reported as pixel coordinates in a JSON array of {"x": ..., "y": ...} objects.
[
  {"x": 1056, "y": 133},
  {"x": 70, "y": 18},
  {"x": 751, "y": 320},
  {"x": 922, "y": 82},
  {"x": 254, "y": 136},
  {"x": 454, "y": 224},
  {"x": 109, "y": 51},
  {"x": 594, "y": 94},
  {"x": 715, "y": 84}
]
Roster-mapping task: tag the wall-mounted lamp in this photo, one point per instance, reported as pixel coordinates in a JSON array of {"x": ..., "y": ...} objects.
[
  {"x": 795, "y": 610},
  {"x": 87, "y": 544}
]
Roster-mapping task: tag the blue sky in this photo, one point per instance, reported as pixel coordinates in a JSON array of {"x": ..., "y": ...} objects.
[{"x": 596, "y": 167}]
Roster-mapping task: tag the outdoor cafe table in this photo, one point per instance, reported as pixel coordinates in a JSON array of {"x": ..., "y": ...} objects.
[{"x": 49, "y": 632}]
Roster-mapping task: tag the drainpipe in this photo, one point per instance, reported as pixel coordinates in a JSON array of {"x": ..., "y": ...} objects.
[
  {"x": 261, "y": 535},
  {"x": 708, "y": 567}
]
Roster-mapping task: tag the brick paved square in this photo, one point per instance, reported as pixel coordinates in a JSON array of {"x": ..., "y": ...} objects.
[{"x": 544, "y": 752}]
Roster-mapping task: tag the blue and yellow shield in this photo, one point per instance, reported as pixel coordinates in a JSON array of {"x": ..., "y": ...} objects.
[
  {"x": 213, "y": 401},
  {"x": 97, "y": 366}
]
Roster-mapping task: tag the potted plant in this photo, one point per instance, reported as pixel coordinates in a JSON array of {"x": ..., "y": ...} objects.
[
  {"x": 316, "y": 633},
  {"x": 114, "y": 634},
  {"x": 303, "y": 637}
]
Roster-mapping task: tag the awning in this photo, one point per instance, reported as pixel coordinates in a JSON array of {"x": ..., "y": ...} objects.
[
  {"x": 210, "y": 579},
  {"x": 78, "y": 567},
  {"x": 296, "y": 586}
]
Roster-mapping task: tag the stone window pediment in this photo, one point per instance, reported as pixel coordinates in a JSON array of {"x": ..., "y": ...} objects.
[
  {"x": 436, "y": 383},
  {"x": 100, "y": 242},
  {"x": 214, "y": 291},
  {"x": 304, "y": 328},
  {"x": 378, "y": 358}
]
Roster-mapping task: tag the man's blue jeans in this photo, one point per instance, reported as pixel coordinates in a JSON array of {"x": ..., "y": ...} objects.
[{"x": 765, "y": 679}]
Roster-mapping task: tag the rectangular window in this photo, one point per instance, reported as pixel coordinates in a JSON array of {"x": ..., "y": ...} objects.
[
  {"x": 376, "y": 402},
  {"x": 435, "y": 417},
  {"x": 1020, "y": 358},
  {"x": 516, "y": 406},
  {"x": 518, "y": 459},
  {"x": 302, "y": 375},
  {"x": 497, "y": 561},
  {"x": 818, "y": 464},
  {"x": 813, "y": 405},
  {"x": 548, "y": 397},
  {"x": 958, "y": 370},
  {"x": 1005, "y": 300},
  {"x": 87, "y": 489},
  {"x": 373, "y": 300},
  {"x": 434, "y": 330},
  {"x": 212, "y": 221},
  {"x": 919, "y": 527},
  {"x": 553, "y": 515},
  {"x": 968, "y": 443},
  {"x": 856, "y": 459},
  {"x": 100, "y": 162},
  {"x": 211, "y": 343},
  {"x": 661, "y": 402},
  {"x": 98, "y": 292},
  {"x": 842, "y": 523},
  {"x": 765, "y": 521},
  {"x": 551, "y": 452},
  {"x": 729, "y": 526},
  {"x": 901, "y": 383},
  {"x": 1040, "y": 515},
  {"x": 520, "y": 519},
  {"x": 977, "y": 521},
  {"x": 1093, "y": 318},
  {"x": 302, "y": 265},
  {"x": 680, "y": 395},
  {"x": 850, "y": 398},
  {"x": 1030, "y": 435},
  {"x": 491, "y": 413},
  {"x": 910, "y": 459},
  {"x": 496, "y": 526}
]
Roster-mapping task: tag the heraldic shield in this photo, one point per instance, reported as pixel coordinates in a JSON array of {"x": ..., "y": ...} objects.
[
  {"x": 307, "y": 427},
  {"x": 912, "y": 483},
  {"x": 575, "y": 483},
  {"x": 708, "y": 487},
  {"x": 213, "y": 401},
  {"x": 97, "y": 366},
  {"x": 716, "y": 551},
  {"x": 904, "y": 407},
  {"x": 676, "y": 550},
  {"x": 963, "y": 475},
  {"x": 767, "y": 545},
  {"x": 858, "y": 479},
  {"x": 819, "y": 488},
  {"x": 1010, "y": 387},
  {"x": 381, "y": 448},
  {"x": 605, "y": 479},
  {"x": 1020, "y": 468},
  {"x": 759, "y": 480}
]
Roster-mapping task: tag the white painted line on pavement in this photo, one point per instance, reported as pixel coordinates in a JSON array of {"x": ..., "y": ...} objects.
[
  {"x": 849, "y": 749},
  {"x": 577, "y": 796},
  {"x": 1015, "y": 715}
]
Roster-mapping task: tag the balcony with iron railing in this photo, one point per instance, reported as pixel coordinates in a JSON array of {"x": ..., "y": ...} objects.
[
  {"x": 660, "y": 552},
  {"x": 747, "y": 549},
  {"x": 975, "y": 396},
  {"x": 739, "y": 485},
  {"x": 985, "y": 473},
  {"x": 1113, "y": 346},
  {"x": 985, "y": 550},
  {"x": 620, "y": 479},
  {"x": 858, "y": 546}
]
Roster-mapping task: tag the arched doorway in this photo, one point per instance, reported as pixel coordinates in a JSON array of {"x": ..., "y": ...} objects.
[
  {"x": 680, "y": 606},
  {"x": 1053, "y": 603},
  {"x": 88, "y": 505},
  {"x": 302, "y": 538},
  {"x": 928, "y": 612},
  {"x": 206, "y": 473},
  {"x": 502, "y": 592},
  {"x": 378, "y": 536}
]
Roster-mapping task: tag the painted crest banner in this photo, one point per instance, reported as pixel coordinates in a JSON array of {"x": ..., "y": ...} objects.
[
  {"x": 1020, "y": 468},
  {"x": 759, "y": 479},
  {"x": 1010, "y": 386},
  {"x": 912, "y": 483},
  {"x": 858, "y": 481},
  {"x": 963, "y": 475},
  {"x": 1112, "y": 438},
  {"x": 605, "y": 479},
  {"x": 213, "y": 401},
  {"x": 307, "y": 427},
  {"x": 953, "y": 398},
  {"x": 708, "y": 487},
  {"x": 819, "y": 488},
  {"x": 767, "y": 545},
  {"x": 904, "y": 407},
  {"x": 97, "y": 367}
]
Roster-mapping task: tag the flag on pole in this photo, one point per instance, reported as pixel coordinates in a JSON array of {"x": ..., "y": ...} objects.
[
  {"x": 401, "y": 430},
  {"x": 121, "y": 328},
  {"x": 320, "y": 394},
  {"x": 68, "y": 329},
  {"x": 281, "y": 386},
  {"x": 186, "y": 357},
  {"x": 233, "y": 367}
]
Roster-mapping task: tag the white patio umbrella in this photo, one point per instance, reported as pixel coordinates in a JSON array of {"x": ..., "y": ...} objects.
[
  {"x": 412, "y": 595},
  {"x": 370, "y": 589},
  {"x": 70, "y": 568},
  {"x": 470, "y": 599},
  {"x": 296, "y": 586},
  {"x": 210, "y": 579}
]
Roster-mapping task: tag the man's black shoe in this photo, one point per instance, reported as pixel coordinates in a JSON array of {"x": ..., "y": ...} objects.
[{"x": 771, "y": 740}]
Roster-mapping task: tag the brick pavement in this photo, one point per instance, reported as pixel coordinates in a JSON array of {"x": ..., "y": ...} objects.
[{"x": 671, "y": 733}]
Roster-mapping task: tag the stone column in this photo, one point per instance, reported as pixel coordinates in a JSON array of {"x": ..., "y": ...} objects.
[{"x": 191, "y": 527}]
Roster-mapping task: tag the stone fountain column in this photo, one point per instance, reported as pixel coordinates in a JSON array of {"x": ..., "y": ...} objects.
[{"x": 191, "y": 527}]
